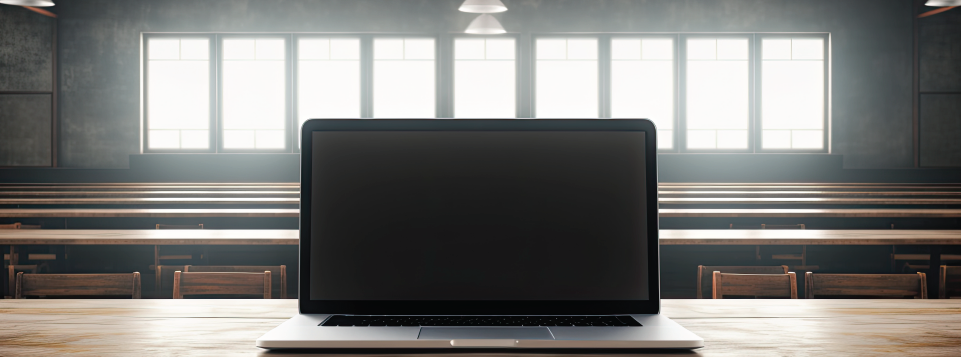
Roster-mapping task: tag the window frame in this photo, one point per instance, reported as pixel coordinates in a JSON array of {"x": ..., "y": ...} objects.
[
  {"x": 682, "y": 83},
  {"x": 365, "y": 84},
  {"x": 676, "y": 93},
  {"x": 825, "y": 131},
  {"x": 453, "y": 63},
  {"x": 288, "y": 50},
  {"x": 213, "y": 62},
  {"x": 603, "y": 76},
  {"x": 441, "y": 45},
  {"x": 525, "y": 81}
]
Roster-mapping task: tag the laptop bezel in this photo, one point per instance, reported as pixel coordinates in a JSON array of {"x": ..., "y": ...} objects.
[{"x": 471, "y": 307}]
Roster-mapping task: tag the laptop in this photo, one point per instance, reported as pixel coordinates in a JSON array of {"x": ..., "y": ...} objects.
[{"x": 479, "y": 234}]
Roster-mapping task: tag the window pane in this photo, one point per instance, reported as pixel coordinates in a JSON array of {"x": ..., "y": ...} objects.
[
  {"x": 644, "y": 88},
  {"x": 567, "y": 78},
  {"x": 717, "y": 94},
  {"x": 328, "y": 79},
  {"x": 178, "y": 93},
  {"x": 484, "y": 78},
  {"x": 792, "y": 93},
  {"x": 254, "y": 92},
  {"x": 404, "y": 78}
]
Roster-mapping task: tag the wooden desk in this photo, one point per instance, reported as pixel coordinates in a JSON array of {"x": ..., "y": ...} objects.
[
  {"x": 290, "y": 237},
  {"x": 293, "y": 212},
  {"x": 729, "y": 327}
]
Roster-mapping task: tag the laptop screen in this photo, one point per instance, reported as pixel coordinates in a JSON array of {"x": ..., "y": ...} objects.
[{"x": 478, "y": 215}]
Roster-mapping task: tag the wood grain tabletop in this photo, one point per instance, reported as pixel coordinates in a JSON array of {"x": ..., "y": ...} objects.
[{"x": 729, "y": 327}]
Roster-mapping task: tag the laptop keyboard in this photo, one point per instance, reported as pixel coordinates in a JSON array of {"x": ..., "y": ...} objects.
[{"x": 381, "y": 320}]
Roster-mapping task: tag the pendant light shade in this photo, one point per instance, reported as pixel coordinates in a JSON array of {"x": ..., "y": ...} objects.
[
  {"x": 485, "y": 25},
  {"x": 943, "y": 3},
  {"x": 483, "y": 6},
  {"x": 34, "y": 3}
]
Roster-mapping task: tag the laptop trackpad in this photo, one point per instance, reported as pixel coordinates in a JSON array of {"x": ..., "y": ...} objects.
[{"x": 485, "y": 333}]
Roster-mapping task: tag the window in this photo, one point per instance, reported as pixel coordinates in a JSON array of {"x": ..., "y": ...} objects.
[
  {"x": 749, "y": 92},
  {"x": 484, "y": 78},
  {"x": 178, "y": 93},
  {"x": 718, "y": 93},
  {"x": 328, "y": 78},
  {"x": 567, "y": 78},
  {"x": 792, "y": 93},
  {"x": 254, "y": 93},
  {"x": 642, "y": 83},
  {"x": 404, "y": 78}
]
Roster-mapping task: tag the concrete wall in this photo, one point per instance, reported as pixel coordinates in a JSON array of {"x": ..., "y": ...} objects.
[
  {"x": 939, "y": 44},
  {"x": 872, "y": 53},
  {"x": 26, "y": 65}
]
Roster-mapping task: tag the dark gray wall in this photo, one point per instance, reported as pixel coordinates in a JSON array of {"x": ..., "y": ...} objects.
[
  {"x": 26, "y": 65},
  {"x": 939, "y": 45},
  {"x": 871, "y": 41}
]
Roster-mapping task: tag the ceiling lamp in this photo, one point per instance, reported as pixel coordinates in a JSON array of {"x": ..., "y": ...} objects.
[
  {"x": 34, "y": 3},
  {"x": 485, "y": 25},
  {"x": 943, "y": 3},
  {"x": 483, "y": 6}
]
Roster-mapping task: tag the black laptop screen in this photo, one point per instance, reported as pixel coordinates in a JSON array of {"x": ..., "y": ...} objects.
[{"x": 478, "y": 215}]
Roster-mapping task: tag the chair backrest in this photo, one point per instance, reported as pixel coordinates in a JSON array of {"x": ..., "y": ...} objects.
[
  {"x": 10, "y": 226},
  {"x": 192, "y": 283},
  {"x": 865, "y": 285},
  {"x": 705, "y": 275},
  {"x": 278, "y": 270},
  {"x": 78, "y": 285},
  {"x": 757, "y": 285},
  {"x": 950, "y": 284},
  {"x": 180, "y": 226}
]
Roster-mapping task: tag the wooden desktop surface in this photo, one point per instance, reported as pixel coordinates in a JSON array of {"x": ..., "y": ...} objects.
[
  {"x": 294, "y": 213},
  {"x": 729, "y": 327},
  {"x": 291, "y": 236}
]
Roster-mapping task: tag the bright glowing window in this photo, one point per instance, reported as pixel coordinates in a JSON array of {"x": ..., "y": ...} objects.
[
  {"x": 484, "y": 78},
  {"x": 718, "y": 93},
  {"x": 567, "y": 78},
  {"x": 254, "y": 93},
  {"x": 404, "y": 79},
  {"x": 178, "y": 93},
  {"x": 792, "y": 93},
  {"x": 642, "y": 83},
  {"x": 328, "y": 78}
]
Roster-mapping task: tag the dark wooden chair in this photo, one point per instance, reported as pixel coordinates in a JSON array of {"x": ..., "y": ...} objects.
[
  {"x": 78, "y": 285},
  {"x": 950, "y": 284},
  {"x": 865, "y": 285},
  {"x": 279, "y": 270},
  {"x": 192, "y": 283},
  {"x": 705, "y": 275},
  {"x": 164, "y": 273},
  {"x": 184, "y": 257},
  {"x": 756, "y": 285}
]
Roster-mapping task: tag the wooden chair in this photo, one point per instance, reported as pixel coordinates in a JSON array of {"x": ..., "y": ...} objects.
[
  {"x": 192, "y": 283},
  {"x": 13, "y": 270},
  {"x": 280, "y": 270},
  {"x": 756, "y": 285},
  {"x": 158, "y": 258},
  {"x": 705, "y": 275},
  {"x": 865, "y": 285},
  {"x": 160, "y": 273},
  {"x": 78, "y": 285},
  {"x": 950, "y": 284},
  {"x": 799, "y": 257}
]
